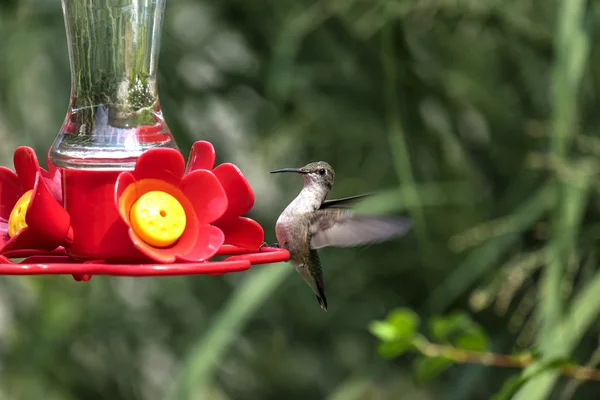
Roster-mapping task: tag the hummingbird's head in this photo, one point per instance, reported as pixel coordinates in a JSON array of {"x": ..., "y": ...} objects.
[{"x": 319, "y": 173}]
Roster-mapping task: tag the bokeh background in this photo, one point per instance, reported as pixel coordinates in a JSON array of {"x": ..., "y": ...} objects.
[{"x": 479, "y": 118}]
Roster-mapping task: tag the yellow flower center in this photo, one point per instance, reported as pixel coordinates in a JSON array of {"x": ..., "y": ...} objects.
[
  {"x": 16, "y": 220},
  {"x": 158, "y": 218}
]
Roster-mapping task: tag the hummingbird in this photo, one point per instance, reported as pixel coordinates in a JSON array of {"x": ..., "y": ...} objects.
[{"x": 311, "y": 222}]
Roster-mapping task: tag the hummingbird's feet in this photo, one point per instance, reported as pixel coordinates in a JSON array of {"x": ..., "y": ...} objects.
[{"x": 265, "y": 244}]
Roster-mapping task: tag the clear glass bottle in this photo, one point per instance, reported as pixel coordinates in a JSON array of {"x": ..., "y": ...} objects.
[{"x": 114, "y": 113}]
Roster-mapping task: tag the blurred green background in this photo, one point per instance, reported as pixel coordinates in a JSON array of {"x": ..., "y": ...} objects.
[{"x": 477, "y": 117}]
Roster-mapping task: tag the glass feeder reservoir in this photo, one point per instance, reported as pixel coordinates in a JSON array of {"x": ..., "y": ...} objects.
[{"x": 114, "y": 112}]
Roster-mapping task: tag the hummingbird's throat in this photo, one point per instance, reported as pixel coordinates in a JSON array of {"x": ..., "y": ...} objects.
[{"x": 309, "y": 198}]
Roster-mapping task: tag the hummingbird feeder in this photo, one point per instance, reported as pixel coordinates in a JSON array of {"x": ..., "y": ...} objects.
[{"x": 117, "y": 197}]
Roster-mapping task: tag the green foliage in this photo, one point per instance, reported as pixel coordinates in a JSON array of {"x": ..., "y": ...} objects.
[
  {"x": 453, "y": 333},
  {"x": 474, "y": 340},
  {"x": 458, "y": 339},
  {"x": 428, "y": 368},
  {"x": 515, "y": 383},
  {"x": 459, "y": 330},
  {"x": 395, "y": 348},
  {"x": 404, "y": 321},
  {"x": 397, "y": 333},
  {"x": 384, "y": 331}
]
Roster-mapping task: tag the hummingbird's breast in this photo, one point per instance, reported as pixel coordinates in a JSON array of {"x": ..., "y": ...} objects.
[
  {"x": 292, "y": 228},
  {"x": 292, "y": 233}
]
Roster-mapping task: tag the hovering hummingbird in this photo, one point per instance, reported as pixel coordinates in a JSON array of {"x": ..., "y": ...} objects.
[{"x": 310, "y": 222}]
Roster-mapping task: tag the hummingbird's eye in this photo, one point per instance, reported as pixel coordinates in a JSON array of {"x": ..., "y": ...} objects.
[{"x": 322, "y": 171}]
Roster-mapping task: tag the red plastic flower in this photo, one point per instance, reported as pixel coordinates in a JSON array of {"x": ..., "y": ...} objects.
[
  {"x": 53, "y": 178},
  {"x": 198, "y": 196},
  {"x": 239, "y": 231},
  {"x": 31, "y": 216}
]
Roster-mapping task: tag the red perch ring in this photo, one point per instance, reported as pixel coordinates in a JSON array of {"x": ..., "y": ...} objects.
[{"x": 58, "y": 263}]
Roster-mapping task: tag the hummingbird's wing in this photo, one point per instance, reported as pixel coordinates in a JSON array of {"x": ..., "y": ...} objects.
[
  {"x": 343, "y": 202},
  {"x": 343, "y": 228}
]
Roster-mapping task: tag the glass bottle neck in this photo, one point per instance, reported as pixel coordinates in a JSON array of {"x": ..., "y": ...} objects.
[{"x": 113, "y": 50}]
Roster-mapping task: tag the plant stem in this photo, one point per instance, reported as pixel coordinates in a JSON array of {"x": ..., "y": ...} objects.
[{"x": 463, "y": 356}]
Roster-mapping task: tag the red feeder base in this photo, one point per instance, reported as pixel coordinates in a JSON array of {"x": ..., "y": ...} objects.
[{"x": 58, "y": 263}]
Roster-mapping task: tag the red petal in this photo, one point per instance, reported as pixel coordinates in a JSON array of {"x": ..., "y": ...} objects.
[
  {"x": 51, "y": 167},
  {"x": 243, "y": 232},
  {"x": 124, "y": 203},
  {"x": 26, "y": 166},
  {"x": 24, "y": 239},
  {"x": 239, "y": 193},
  {"x": 210, "y": 239},
  {"x": 202, "y": 156},
  {"x": 54, "y": 184},
  {"x": 165, "y": 256},
  {"x": 206, "y": 194},
  {"x": 164, "y": 164},
  {"x": 53, "y": 179},
  {"x": 46, "y": 218},
  {"x": 10, "y": 191},
  {"x": 4, "y": 236}
]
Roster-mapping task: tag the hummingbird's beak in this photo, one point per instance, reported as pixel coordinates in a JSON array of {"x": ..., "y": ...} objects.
[{"x": 297, "y": 170}]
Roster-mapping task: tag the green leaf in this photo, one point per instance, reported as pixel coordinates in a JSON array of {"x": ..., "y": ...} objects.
[
  {"x": 383, "y": 330},
  {"x": 512, "y": 385},
  {"x": 394, "y": 348},
  {"x": 474, "y": 339},
  {"x": 443, "y": 327},
  {"x": 427, "y": 368},
  {"x": 509, "y": 388},
  {"x": 401, "y": 324},
  {"x": 405, "y": 321},
  {"x": 459, "y": 330}
]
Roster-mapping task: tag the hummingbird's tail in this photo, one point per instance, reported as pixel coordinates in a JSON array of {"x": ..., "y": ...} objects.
[
  {"x": 322, "y": 300},
  {"x": 316, "y": 273},
  {"x": 310, "y": 271}
]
